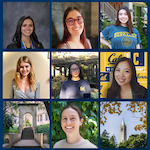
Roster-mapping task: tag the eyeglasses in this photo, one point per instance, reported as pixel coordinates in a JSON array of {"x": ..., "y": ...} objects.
[
  {"x": 75, "y": 69},
  {"x": 71, "y": 21}
]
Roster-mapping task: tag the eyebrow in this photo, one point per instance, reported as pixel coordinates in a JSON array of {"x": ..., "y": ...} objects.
[
  {"x": 73, "y": 18},
  {"x": 71, "y": 116}
]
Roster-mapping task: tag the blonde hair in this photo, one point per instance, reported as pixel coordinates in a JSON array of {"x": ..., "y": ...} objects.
[{"x": 31, "y": 75}]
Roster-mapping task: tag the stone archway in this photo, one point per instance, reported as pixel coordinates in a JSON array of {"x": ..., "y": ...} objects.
[
  {"x": 27, "y": 120},
  {"x": 27, "y": 108}
]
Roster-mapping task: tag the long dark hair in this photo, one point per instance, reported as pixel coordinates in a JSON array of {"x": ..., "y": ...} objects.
[
  {"x": 115, "y": 88},
  {"x": 67, "y": 35},
  {"x": 80, "y": 74},
  {"x": 16, "y": 39},
  {"x": 129, "y": 23}
]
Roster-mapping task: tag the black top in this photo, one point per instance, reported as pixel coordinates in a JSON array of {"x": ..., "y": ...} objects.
[
  {"x": 140, "y": 93},
  {"x": 10, "y": 46}
]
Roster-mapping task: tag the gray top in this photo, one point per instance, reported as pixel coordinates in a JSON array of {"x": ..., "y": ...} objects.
[{"x": 18, "y": 93}]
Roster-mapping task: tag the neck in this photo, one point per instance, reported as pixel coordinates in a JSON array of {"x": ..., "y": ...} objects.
[
  {"x": 73, "y": 139},
  {"x": 75, "y": 39},
  {"x": 24, "y": 78},
  {"x": 26, "y": 38},
  {"x": 123, "y": 24},
  {"x": 125, "y": 88},
  {"x": 75, "y": 78}
]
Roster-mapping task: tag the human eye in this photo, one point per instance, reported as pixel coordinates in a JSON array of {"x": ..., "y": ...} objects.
[
  {"x": 24, "y": 25},
  {"x": 70, "y": 20},
  {"x": 64, "y": 118},
  {"x": 73, "y": 118},
  {"x": 117, "y": 70},
  {"x": 31, "y": 25},
  {"x": 27, "y": 66}
]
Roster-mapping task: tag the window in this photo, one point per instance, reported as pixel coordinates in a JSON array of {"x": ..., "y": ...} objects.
[{"x": 40, "y": 117}]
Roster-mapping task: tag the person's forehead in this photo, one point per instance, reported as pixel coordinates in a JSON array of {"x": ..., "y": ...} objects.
[{"x": 73, "y": 14}]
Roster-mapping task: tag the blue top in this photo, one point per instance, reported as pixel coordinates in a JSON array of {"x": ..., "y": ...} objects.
[
  {"x": 121, "y": 38},
  {"x": 23, "y": 46},
  {"x": 75, "y": 89}
]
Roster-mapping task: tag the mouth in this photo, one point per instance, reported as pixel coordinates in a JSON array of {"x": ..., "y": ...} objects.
[
  {"x": 76, "y": 29},
  {"x": 121, "y": 80}
]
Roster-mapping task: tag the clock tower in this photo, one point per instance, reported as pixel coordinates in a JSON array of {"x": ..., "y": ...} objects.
[{"x": 123, "y": 132}]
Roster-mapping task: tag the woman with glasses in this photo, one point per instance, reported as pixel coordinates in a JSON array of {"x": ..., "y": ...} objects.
[
  {"x": 74, "y": 31},
  {"x": 75, "y": 87}
]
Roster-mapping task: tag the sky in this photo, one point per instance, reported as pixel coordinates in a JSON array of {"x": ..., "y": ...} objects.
[{"x": 114, "y": 121}]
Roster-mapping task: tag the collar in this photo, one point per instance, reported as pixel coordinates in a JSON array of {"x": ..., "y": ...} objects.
[{"x": 23, "y": 46}]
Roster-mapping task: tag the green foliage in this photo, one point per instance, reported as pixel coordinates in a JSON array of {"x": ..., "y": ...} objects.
[
  {"x": 105, "y": 134},
  {"x": 7, "y": 123},
  {"x": 143, "y": 37},
  {"x": 44, "y": 129},
  {"x": 89, "y": 129},
  {"x": 13, "y": 130},
  {"x": 135, "y": 141},
  {"x": 57, "y": 82},
  {"x": 105, "y": 143},
  {"x": 113, "y": 139},
  {"x": 104, "y": 24}
]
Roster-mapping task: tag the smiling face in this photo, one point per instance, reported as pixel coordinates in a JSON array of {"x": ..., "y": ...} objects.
[
  {"x": 123, "y": 17},
  {"x": 25, "y": 68},
  {"x": 70, "y": 121},
  {"x": 123, "y": 73},
  {"x": 76, "y": 29},
  {"x": 27, "y": 28}
]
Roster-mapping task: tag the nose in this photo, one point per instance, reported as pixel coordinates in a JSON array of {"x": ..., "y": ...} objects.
[
  {"x": 75, "y": 22},
  {"x": 121, "y": 73},
  {"x": 68, "y": 121}
]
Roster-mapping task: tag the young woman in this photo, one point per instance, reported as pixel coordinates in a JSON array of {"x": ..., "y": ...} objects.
[
  {"x": 25, "y": 85},
  {"x": 75, "y": 87},
  {"x": 122, "y": 35},
  {"x": 124, "y": 83},
  {"x": 25, "y": 36},
  {"x": 74, "y": 31},
  {"x": 71, "y": 121}
]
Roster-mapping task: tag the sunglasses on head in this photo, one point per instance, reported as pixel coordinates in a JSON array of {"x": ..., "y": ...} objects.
[{"x": 71, "y": 21}]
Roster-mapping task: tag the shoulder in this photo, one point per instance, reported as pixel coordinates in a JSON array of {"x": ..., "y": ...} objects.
[
  {"x": 63, "y": 46},
  {"x": 88, "y": 144},
  {"x": 37, "y": 83},
  {"x": 135, "y": 30},
  {"x": 13, "y": 81},
  {"x": 85, "y": 81},
  {"x": 10, "y": 46},
  {"x": 142, "y": 88},
  {"x": 59, "y": 144}
]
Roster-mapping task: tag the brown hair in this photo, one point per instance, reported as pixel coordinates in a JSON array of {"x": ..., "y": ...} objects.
[
  {"x": 67, "y": 35},
  {"x": 129, "y": 22}
]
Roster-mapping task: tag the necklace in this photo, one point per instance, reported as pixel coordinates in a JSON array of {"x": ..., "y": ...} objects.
[{"x": 25, "y": 44}]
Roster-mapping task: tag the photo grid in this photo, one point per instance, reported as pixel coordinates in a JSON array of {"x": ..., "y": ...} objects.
[{"x": 75, "y": 75}]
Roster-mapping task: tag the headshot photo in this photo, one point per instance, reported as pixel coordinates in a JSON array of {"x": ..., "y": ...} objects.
[
  {"x": 22, "y": 78},
  {"x": 75, "y": 25},
  {"x": 75, "y": 127},
  {"x": 74, "y": 75},
  {"x": 123, "y": 25},
  {"x": 28, "y": 27},
  {"x": 125, "y": 75}
]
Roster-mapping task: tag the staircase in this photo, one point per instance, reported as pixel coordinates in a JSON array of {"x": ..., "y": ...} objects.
[
  {"x": 27, "y": 139},
  {"x": 27, "y": 133},
  {"x": 107, "y": 11}
]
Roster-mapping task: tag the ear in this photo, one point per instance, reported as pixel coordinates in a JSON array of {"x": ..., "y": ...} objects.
[{"x": 81, "y": 121}]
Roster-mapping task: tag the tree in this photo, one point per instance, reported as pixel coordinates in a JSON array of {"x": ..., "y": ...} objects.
[
  {"x": 105, "y": 134},
  {"x": 105, "y": 143},
  {"x": 89, "y": 129},
  {"x": 139, "y": 106},
  {"x": 135, "y": 141},
  {"x": 113, "y": 139}
]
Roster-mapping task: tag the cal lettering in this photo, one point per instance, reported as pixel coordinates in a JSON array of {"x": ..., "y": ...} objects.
[
  {"x": 112, "y": 60},
  {"x": 135, "y": 56}
]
